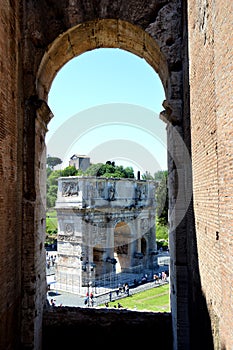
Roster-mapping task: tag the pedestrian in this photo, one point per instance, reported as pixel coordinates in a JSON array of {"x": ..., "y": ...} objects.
[
  {"x": 156, "y": 278},
  {"x": 127, "y": 289},
  {"x": 86, "y": 300},
  {"x": 92, "y": 299}
]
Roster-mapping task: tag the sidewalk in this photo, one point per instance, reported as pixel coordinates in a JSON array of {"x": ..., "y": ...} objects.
[{"x": 63, "y": 298}]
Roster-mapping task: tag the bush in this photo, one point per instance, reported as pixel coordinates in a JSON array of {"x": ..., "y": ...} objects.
[{"x": 161, "y": 236}]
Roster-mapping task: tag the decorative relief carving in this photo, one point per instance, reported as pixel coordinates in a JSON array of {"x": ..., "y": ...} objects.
[
  {"x": 79, "y": 249},
  {"x": 101, "y": 189},
  {"x": 70, "y": 189},
  {"x": 111, "y": 191},
  {"x": 91, "y": 191},
  {"x": 137, "y": 192},
  {"x": 67, "y": 238},
  {"x": 69, "y": 229},
  {"x": 144, "y": 224},
  {"x": 94, "y": 228},
  {"x": 140, "y": 192},
  {"x": 122, "y": 249}
]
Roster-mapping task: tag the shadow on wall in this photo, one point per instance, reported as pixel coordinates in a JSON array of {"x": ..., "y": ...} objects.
[
  {"x": 69, "y": 327},
  {"x": 200, "y": 325}
]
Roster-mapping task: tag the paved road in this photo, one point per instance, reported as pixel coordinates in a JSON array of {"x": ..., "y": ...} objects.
[
  {"x": 65, "y": 298},
  {"x": 70, "y": 299}
]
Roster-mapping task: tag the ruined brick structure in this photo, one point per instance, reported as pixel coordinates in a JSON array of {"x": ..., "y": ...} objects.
[
  {"x": 80, "y": 161},
  {"x": 189, "y": 45}
]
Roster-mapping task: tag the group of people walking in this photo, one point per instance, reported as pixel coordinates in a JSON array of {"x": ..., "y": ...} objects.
[{"x": 89, "y": 300}]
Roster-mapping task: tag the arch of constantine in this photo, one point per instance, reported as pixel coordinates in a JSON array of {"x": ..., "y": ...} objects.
[{"x": 105, "y": 226}]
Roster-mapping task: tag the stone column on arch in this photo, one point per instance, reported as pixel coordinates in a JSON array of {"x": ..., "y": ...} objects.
[
  {"x": 179, "y": 167},
  {"x": 137, "y": 226},
  {"x": 110, "y": 242}
]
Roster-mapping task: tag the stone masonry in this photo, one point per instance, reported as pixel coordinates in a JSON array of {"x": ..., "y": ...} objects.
[
  {"x": 189, "y": 45},
  {"x": 105, "y": 226}
]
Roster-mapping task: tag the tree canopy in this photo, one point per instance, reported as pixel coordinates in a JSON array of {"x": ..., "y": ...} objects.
[
  {"x": 109, "y": 169},
  {"x": 53, "y": 161}
]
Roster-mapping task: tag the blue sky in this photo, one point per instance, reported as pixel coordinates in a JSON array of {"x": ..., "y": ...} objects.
[{"x": 106, "y": 103}]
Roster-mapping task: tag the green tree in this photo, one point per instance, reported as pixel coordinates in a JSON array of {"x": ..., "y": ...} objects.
[
  {"x": 109, "y": 169},
  {"x": 93, "y": 169},
  {"x": 129, "y": 172},
  {"x": 51, "y": 196},
  {"x": 53, "y": 161},
  {"x": 160, "y": 175},
  {"x": 161, "y": 195},
  {"x": 52, "y": 186},
  {"x": 147, "y": 176},
  {"x": 52, "y": 178},
  {"x": 106, "y": 170},
  {"x": 48, "y": 171},
  {"x": 71, "y": 171}
]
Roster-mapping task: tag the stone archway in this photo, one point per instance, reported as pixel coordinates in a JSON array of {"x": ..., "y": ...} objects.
[
  {"x": 103, "y": 33},
  {"x": 116, "y": 33},
  {"x": 122, "y": 235},
  {"x": 143, "y": 245},
  {"x": 189, "y": 47}
]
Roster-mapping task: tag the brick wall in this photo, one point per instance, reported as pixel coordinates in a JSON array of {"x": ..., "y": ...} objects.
[
  {"x": 10, "y": 180},
  {"x": 210, "y": 52}
]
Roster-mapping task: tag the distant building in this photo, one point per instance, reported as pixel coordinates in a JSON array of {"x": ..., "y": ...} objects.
[{"x": 80, "y": 161}]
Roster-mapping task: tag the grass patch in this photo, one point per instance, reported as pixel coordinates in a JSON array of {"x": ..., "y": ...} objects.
[
  {"x": 51, "y": 222},
  {"x": 51, "y": 213},
  {"x": 156, "y": 299},
  {"x": 51, "y": 227}
]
